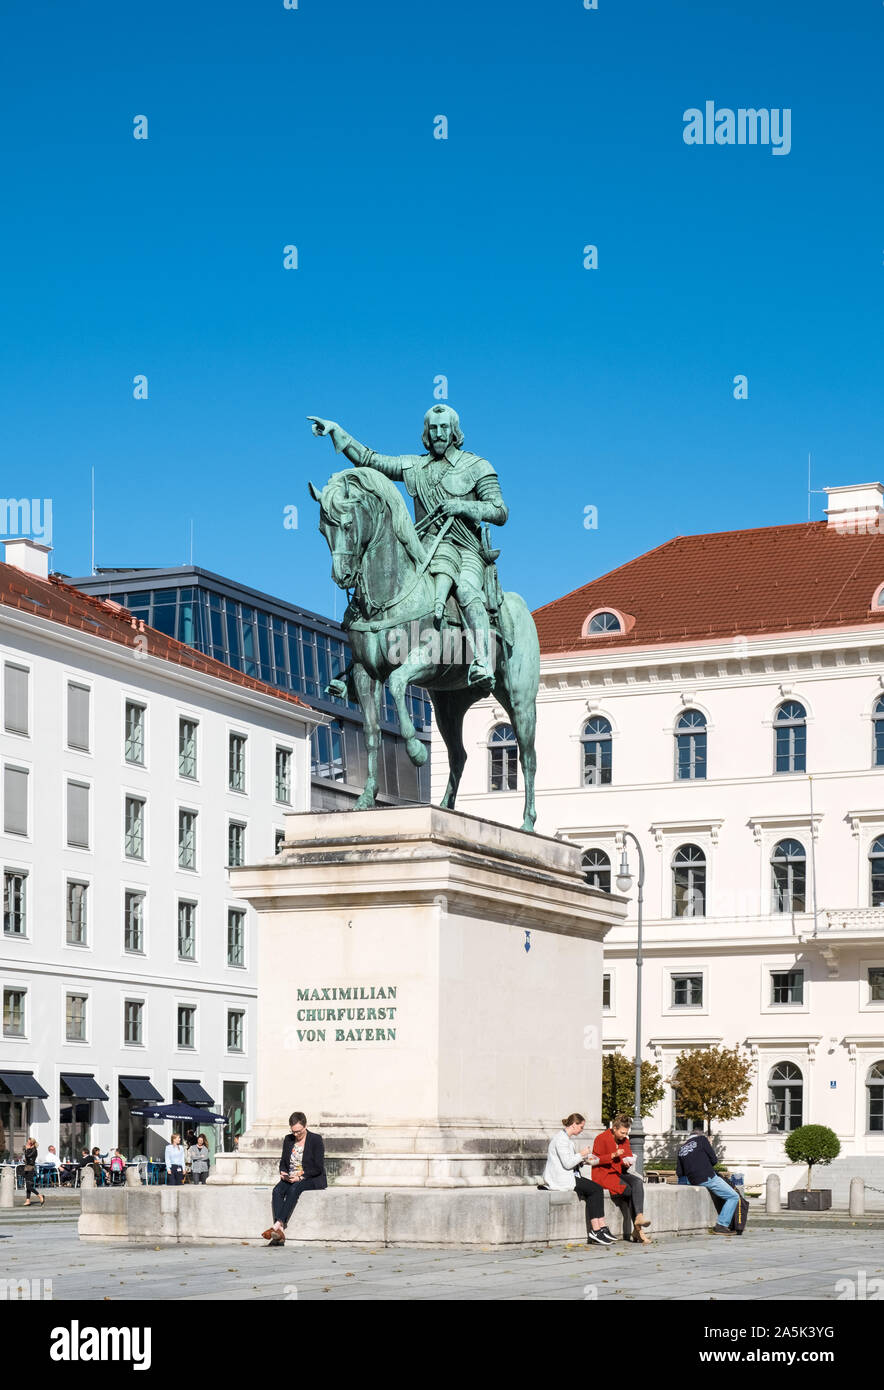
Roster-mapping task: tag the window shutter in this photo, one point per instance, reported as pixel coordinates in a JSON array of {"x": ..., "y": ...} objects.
[
  {"x": 78, "y": 815},
  {"x": 15, "y": 801},
  {"x": 78, "y": 717},
  {"x": 15, "y": 700}
]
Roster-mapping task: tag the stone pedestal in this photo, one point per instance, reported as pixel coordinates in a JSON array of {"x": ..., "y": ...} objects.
[{"x": 429, "y": 994}]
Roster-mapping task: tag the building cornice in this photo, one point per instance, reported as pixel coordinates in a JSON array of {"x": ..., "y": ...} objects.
[{"x": 125, "y": 657}]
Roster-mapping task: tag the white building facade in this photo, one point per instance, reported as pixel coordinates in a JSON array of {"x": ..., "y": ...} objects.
[
  {"x": 744, "y": 747},
  {"x": 134, "y": 773}
]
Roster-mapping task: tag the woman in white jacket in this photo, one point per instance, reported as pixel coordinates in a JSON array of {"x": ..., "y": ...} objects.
[{"x": 560, "y": 1175}]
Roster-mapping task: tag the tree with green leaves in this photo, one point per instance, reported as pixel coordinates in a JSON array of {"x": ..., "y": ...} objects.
[
  {"x": 812, "y": 1144},
  {"x": 618, "y": 1086},
  {"x": 712, "y": 1083}
]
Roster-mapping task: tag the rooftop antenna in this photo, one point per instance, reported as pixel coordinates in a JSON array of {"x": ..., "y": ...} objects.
[
  {"x": 191, "y": 541},
  {"x": 812, "y": 492},
  {"x": 93, "y": 519}
]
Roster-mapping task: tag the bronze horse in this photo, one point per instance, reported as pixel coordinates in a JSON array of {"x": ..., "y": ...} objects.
[{"x": 377, "y": 553}]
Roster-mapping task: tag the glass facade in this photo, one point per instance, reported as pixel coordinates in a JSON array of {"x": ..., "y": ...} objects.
[{"x": 285, "y": 646}]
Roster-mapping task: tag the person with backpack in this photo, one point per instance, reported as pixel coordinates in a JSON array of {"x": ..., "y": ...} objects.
[{"x": 696, "y": 1161}]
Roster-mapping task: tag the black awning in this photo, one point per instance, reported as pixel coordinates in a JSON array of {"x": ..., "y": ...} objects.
[
  {"x": 139, "y": 1088},
  {"x": 192, "y": 1093},
  {"x": 22, "y": 1085},
  {"x": 82, "y": 1085}
]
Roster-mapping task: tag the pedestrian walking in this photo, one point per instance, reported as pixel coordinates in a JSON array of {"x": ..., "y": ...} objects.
[
  {"x": 560, "y": 1175},
  {"x": 174, "y": 1160},
  {"x": 696, "y": 1162},
  {"x": 301, "y": 1168},
  {"x": 29, "y": 1160},
  {"x": 198, "y": 1157},
  {"x": 612, "y": 1148}
]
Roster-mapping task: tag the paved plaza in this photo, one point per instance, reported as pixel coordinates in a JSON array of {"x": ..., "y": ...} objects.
[{"x": 765, "y": 1263}]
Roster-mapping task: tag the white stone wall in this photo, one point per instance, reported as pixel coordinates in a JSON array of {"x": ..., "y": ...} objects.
[
  {"x": 43, "y": 963},
  {"x": 735, "y": 816}
]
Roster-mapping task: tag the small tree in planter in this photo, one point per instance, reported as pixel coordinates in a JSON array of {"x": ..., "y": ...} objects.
[{"x": 812, "y": 1144}]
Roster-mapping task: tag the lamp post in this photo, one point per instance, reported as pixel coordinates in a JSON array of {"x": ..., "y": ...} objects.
[{"x": 624, "y": 883}]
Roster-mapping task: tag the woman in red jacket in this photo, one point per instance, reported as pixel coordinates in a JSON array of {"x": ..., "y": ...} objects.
[{"x": 614, "y": 1154}]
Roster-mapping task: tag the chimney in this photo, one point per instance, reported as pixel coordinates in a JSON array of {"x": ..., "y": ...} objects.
[
  {"x": 28, "y": 555},
  {"x": 856, "y": 510}
]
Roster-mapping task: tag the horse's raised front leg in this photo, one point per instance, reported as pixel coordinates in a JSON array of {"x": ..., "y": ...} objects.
[
  {"x": 417, "y": 666},
  {"x": 368, "y": 693}
]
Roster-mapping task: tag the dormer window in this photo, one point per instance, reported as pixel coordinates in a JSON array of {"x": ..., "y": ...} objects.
[{"x": 602, "y": 622}]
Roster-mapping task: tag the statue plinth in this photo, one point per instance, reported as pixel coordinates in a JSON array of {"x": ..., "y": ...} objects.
[{"x": 399, "y": 1008}]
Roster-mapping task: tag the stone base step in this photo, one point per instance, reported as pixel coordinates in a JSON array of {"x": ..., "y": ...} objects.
[{"x": 430, "y": 1218}]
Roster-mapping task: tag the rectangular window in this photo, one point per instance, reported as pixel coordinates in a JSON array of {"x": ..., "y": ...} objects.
[
  {"x": 75, "y": 1018},
  {"x": 284, "y": 776},
  {"x": 278, "y": 840},
  {"x": 134, "y": 837},
  {"x": 236, "y": 936},
  {"x": 14, "y": 1013},
  {"x": 236, "y": 764},
  {"x": 234, "y": 1030},
  {"x": 78, "y": 716},
  {"x": 186, "y": 930},
  {"x": 187, "y": 839},
  {"x": 76, "y": 907},
  {"x": 134, "y": 744},
  {"x": 133, "y": 922},
  {"x": 15, "y": 699},
  {"x": 876, "y": 984},
  {"x": 15, "y": 902},
  {"x": 187, "y": 748},
  {"x": 236, "y": 844},
  {"x": 606, "y": 991},
  {"x": 15, "y": 800},
  {"x": 133, "y": 1021},
  {"x": 186, "y": 1025},
  {"x": 787, "y": 986},
  {"x": 78, "y": 815},
  {"x": 687, "y": 991},
  {"x": 681, "y": 1123}
]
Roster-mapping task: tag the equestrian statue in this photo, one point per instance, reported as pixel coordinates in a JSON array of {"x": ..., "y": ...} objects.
[{"x": 426, "y": 606}]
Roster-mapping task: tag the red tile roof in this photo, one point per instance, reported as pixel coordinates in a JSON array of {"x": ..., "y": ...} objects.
[
  {"x": 768, "y": 580},
  {"x": 61, "y": 603}
]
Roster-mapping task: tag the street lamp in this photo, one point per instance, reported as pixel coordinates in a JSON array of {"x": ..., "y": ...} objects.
[{"x": 624, "y": 883}]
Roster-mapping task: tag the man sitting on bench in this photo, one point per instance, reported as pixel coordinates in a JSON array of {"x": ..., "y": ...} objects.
[{"x": 696, "y": 1162}]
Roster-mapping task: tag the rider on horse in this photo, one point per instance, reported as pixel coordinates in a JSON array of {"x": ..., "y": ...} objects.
[{"x": 455, "y": 494}]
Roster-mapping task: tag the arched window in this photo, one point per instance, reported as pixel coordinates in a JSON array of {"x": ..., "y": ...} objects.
[
  {"x": 875, "y": 1087},
  {"x": 603, "y": 622},
  {"x": 689, "y": 882},
  {"x": 790, "y": 732},
  {"x": 789, "y": 876},
  {"x": 786, "y": 1091},
  {"x": 503, "y": 759},
  {"x": 878, "y": 732},
  {"x": 876, "y": 872},
  {"x": 596, "y": 740},
  {"x": 690, "y": 746},
  {"x": 597, "y": 869}
]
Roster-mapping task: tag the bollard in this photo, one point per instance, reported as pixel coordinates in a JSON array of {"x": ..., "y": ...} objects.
[
  {"x": 857, "y": 1200},
  {"x": 772, "y": 1202},
  {"x": 7, "y": 1187},
  {"x": 87, "y": 1176},
  {"x": 133, "y": 1178}
]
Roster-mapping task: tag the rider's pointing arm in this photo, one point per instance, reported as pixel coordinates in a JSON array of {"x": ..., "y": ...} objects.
[{"x": 364, "y": 457}]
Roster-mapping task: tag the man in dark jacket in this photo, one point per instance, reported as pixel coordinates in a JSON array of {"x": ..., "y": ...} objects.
[
  {"x": 696, "y": 1162},
  {"x": 301, "y": 1167}
]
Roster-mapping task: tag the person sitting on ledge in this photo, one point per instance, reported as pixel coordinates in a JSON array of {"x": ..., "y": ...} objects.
[
  {"x": 301, "y": 1168},
  {"x": 560, "y": 1175},
  {"x": 696, "y": 1164},
  {"x": 614, "y": 1153}
]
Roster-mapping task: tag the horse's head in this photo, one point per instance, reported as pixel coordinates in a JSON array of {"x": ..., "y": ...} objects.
[{"x": 346, "y": 519}]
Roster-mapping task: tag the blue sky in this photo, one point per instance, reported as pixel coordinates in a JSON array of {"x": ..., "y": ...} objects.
[{"x": 419, "y": 257}]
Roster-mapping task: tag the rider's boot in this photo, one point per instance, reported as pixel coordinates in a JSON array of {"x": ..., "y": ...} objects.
[{"x": 476, "y": 615}]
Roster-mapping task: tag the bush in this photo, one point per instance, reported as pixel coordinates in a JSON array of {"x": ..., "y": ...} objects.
[{"x": 812, "y": 1144}]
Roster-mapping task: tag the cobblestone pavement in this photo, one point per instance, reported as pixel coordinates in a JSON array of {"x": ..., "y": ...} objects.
[{"x": 762, "y": 1264}]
